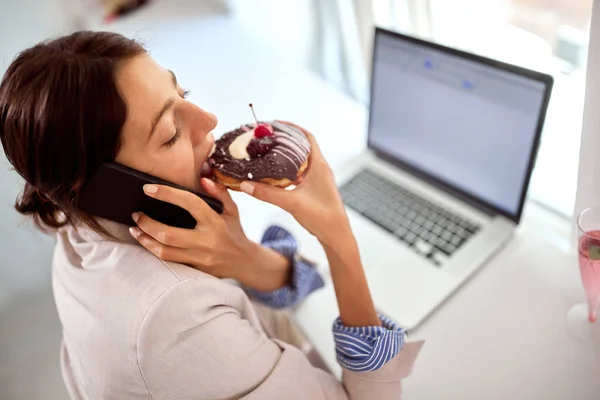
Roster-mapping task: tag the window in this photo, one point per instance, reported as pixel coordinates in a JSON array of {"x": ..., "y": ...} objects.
[{"x": 545, "y": 35}]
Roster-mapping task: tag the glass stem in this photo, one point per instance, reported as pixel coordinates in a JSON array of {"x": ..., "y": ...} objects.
[{"x": 593, "y": 303}]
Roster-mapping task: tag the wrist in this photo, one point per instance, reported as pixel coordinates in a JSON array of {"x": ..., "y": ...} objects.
[
  {"x": 338, "y": 233},
  {"x": 264, "y": 269}
]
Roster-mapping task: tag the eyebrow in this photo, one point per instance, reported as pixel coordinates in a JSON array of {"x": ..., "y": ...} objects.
[
  {"x": 169, "y": 103},
  {"x": 174, "y": 78}
]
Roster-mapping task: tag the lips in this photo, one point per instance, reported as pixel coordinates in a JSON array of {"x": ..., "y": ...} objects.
[{"x": 205, "y": 171}]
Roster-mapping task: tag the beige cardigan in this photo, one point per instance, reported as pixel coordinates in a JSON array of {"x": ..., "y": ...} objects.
[{"x": 135, "y": 327}]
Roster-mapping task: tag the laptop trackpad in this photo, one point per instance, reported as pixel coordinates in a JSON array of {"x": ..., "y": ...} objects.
[{"x": 404, "y": 285}]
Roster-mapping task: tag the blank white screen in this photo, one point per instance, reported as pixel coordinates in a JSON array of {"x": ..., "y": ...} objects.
[{"x": 465, "y": 123}]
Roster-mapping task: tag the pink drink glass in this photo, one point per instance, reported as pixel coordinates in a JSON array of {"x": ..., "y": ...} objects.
[{"x": 588, "y": 224}]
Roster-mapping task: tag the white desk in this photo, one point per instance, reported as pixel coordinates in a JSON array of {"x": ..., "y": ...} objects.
[{"x": 502, "y": 336}]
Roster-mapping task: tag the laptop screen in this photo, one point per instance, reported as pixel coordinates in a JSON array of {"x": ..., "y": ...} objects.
[{"x": 468, "y": 123}]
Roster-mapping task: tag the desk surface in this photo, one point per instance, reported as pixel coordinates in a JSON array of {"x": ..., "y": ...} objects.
[{"x": 502, "y": 336}]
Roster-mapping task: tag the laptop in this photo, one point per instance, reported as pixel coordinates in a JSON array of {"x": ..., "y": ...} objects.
[{"x": 452, "y": 141}]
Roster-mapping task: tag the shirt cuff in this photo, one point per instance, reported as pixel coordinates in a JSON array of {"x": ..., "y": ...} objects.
[
  {"x": 367, "y": 348},
  {"x": 305, "y": 278}
]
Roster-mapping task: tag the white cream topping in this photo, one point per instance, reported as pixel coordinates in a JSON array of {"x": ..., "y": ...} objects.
[{"x": 237, "y": 148}]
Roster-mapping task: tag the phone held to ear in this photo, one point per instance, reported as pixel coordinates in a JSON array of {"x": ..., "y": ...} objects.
[{"x": 115, "y": 192}]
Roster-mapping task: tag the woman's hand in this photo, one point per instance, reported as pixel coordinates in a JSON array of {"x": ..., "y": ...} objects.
[
  {"x": 317, "y": 206},
  {"x": 315, "y": 202},
  {"x": 217, "y": 245}
]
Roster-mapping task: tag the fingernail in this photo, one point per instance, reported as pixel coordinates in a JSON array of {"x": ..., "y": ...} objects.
[
  {"x": 247, "y": 188},
  {"x": 209, "y": 183},
  {"x": 150, "y": 189},
  {"x": 133, "y": 232},
  {"x": 135, "y": 216}
]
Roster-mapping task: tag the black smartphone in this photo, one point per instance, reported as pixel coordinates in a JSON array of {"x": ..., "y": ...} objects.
[{"x": 115, "y": 192}]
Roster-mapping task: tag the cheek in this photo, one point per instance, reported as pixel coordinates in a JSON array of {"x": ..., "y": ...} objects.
[
  {"x": 174, "y": 164},
  {"x": 178, "y": 166}
]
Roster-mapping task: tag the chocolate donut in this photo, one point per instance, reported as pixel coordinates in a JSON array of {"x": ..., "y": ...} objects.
[{"x": 274, "y": 153}]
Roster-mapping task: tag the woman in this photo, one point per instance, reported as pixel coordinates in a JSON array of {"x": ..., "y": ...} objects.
[{"x": 155, "y": 321}]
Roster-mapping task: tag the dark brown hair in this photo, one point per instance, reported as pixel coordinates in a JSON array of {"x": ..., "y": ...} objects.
[{"x": 61, "y": 116}]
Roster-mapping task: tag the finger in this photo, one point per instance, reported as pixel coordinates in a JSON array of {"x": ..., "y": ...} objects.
[
  {"x": 314, "y": 146},
  {"x": 300, "y": 179},
  {"x": 182, "y": 198},
  {"x": 165, "y": 234},
  {"x": 164, "y": 252},
  {"x": 280, "y": 197},
  {"x": 220, "y": 192}
]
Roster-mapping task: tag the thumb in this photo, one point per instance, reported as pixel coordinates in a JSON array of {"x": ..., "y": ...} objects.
[
  {"x": 220, "y": 193},
  {"x": 267, "y": 193}
]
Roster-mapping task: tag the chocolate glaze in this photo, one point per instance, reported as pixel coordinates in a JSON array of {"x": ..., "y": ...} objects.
[{"x": 290, "y": 151}]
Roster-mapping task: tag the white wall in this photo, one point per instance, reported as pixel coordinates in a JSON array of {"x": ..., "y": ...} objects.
[
  {"x": 25, "y": 22},
  {"x": 474, "y": 17},
  {"x": 287, "y": 25},
  {"x": 484, "y": 27},
  {"x": 588, "y": 185}
]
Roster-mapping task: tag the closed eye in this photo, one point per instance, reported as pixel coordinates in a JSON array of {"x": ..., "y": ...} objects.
[{"x": 174, "y": 138}]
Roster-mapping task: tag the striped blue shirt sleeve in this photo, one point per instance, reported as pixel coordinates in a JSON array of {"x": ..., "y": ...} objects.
[
  {"x": 367, "y": 348},
  {"x": 305, "y": 277}
]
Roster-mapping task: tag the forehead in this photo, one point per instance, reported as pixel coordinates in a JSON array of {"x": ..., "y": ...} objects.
[
  {"x": 145, "y": 86},
  {"x": 143, "y": 74}
]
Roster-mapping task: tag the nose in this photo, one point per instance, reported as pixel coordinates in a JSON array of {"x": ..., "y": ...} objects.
[
  {"x": 210, "y": 140},
  {"x": 201, "y": 124},
  {"x": 213, "y": 120}
]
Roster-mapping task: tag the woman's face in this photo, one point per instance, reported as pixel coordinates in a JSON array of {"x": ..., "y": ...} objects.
[{"x": 164, "y": 135}]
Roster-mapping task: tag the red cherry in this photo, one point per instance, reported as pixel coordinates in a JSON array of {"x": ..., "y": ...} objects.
[{"x": 262, "y": 131}]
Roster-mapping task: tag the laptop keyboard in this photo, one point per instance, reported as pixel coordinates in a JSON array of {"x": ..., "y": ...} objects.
[{"x": 426, "y": 227}]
